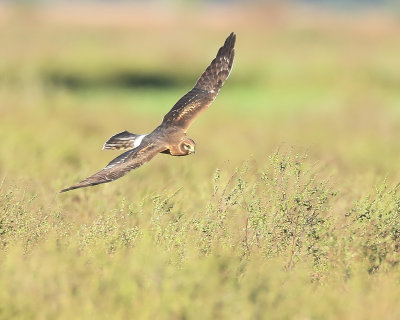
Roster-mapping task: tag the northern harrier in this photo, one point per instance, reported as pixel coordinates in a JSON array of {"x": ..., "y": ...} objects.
[{"x": 170, "y": 136}]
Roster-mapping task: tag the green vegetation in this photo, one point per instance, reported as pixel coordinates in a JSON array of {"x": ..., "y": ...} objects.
[{"x": 288, "y": 210}]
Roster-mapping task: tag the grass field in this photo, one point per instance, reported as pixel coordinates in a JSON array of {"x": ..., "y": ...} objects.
[{"x": 289, "y": 209}]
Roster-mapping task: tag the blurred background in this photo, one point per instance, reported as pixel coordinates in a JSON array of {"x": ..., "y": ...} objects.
[{"x": 318, "y": 76}]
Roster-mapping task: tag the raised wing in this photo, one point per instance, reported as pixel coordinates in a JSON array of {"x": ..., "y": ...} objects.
[
  {"x": 206, "y": 88},
  {"x": 121, "y": 165}
]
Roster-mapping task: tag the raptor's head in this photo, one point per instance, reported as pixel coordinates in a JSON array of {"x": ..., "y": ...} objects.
[{"x": 187, "y": 146}]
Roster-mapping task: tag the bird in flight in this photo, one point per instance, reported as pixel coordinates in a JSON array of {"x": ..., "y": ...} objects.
[{"x": 170, "y": 136}]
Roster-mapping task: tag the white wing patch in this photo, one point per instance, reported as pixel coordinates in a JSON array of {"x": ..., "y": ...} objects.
[{"x": 138, "y": 140}]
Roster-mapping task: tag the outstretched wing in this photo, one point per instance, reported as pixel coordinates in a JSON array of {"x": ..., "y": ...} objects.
[
  {"x": 206, "y": 88},
  {"x": 121, "y": 165}
]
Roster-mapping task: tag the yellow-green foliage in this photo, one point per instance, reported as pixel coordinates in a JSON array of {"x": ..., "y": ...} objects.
[{"x": 288, "y": 210}]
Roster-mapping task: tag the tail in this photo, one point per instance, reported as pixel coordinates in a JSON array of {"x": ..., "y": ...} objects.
[{"x": 123, "y": 141}]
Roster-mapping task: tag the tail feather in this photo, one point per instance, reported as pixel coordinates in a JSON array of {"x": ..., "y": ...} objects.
[{"x": 123, "y": 141}]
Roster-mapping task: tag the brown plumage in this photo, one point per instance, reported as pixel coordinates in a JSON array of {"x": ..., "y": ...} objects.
[{"x": 170, "y": 136}]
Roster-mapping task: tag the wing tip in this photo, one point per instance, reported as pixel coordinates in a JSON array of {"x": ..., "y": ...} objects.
[
  {"x": 230, "y": 41},
  {"x": 65, "y": 190},
  {"x": 228, "y": 48},
  {"x": 80, "y": 185},
  {"x": 75, "y": 186},
  {"x": 232, "y": 36}
]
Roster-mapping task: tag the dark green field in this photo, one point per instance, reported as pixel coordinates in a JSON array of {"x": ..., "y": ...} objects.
[{"x": 289, "y": 209}]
